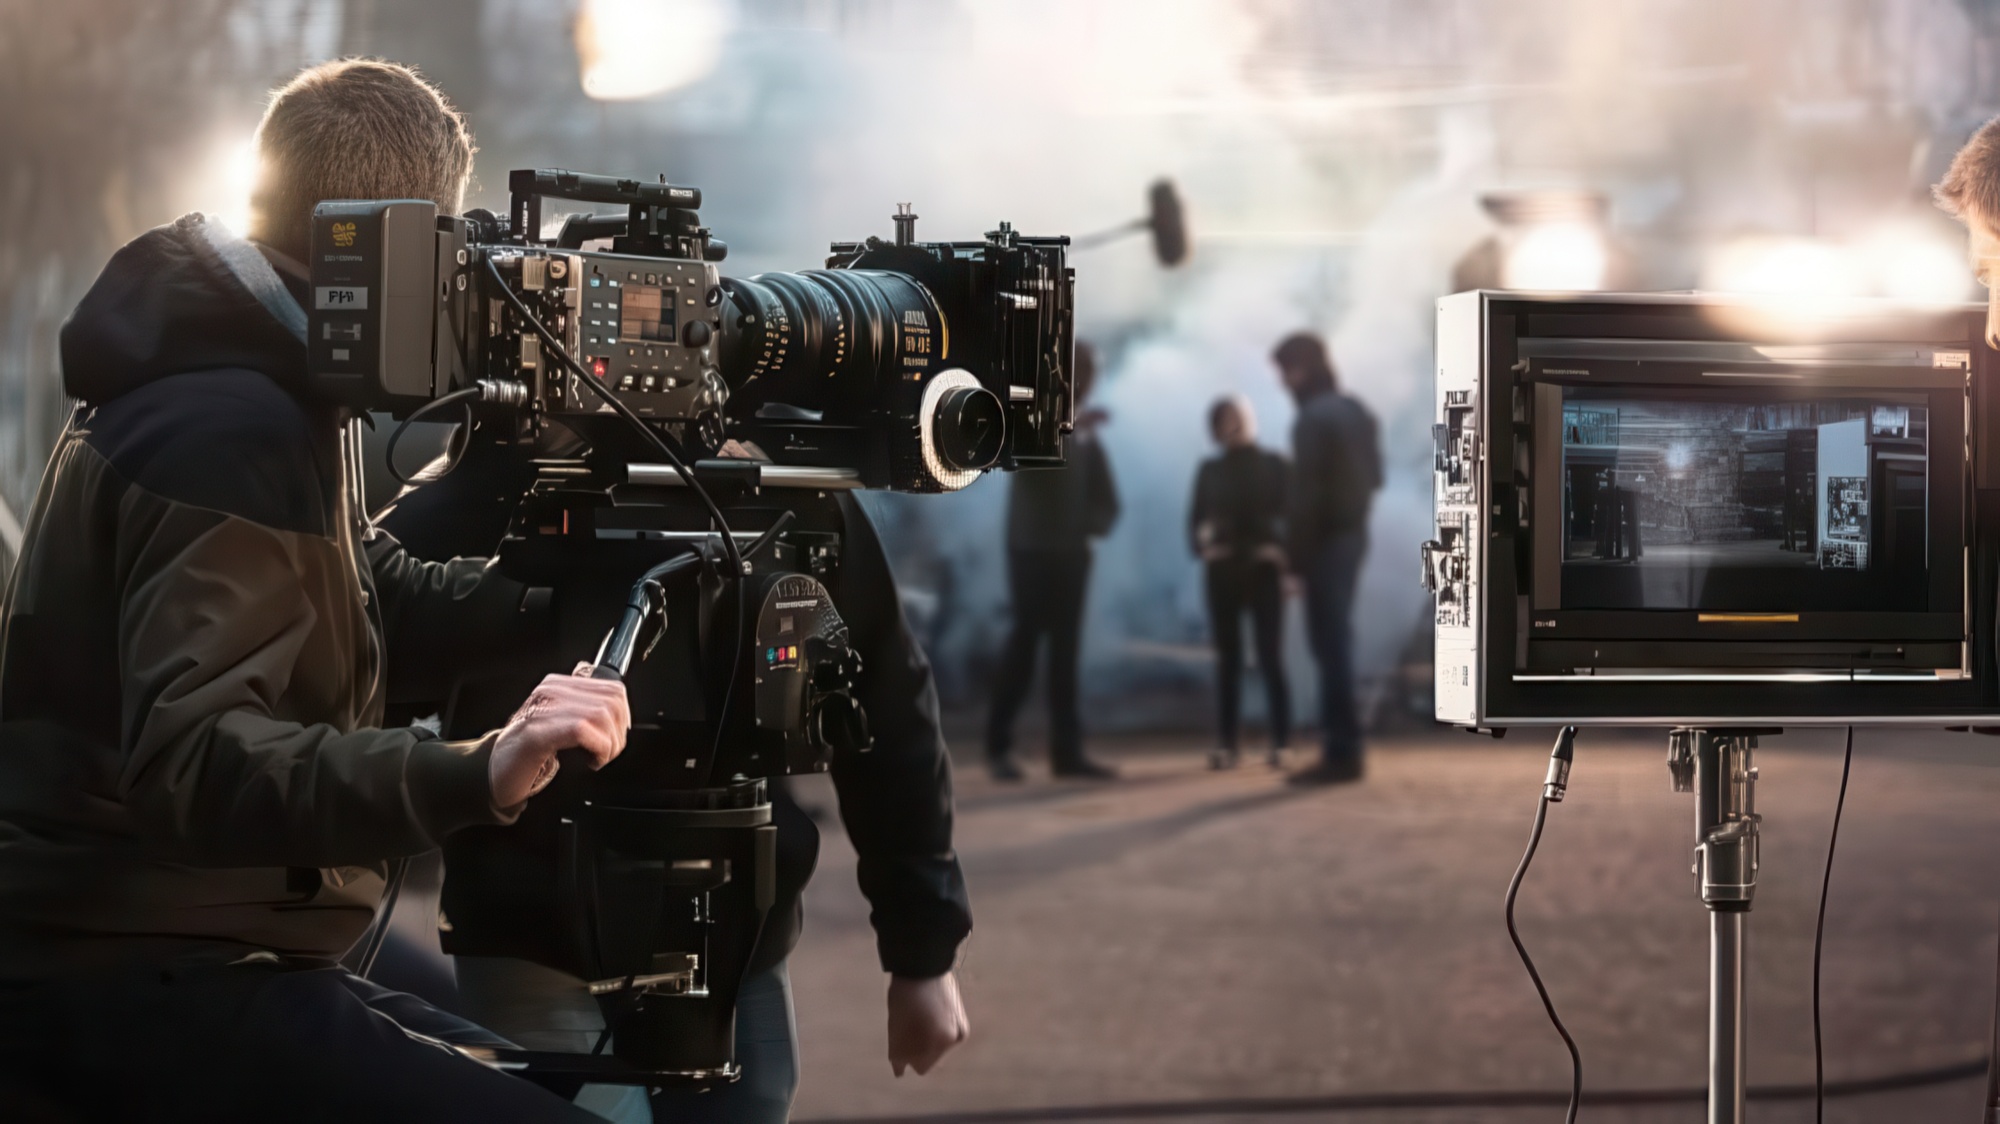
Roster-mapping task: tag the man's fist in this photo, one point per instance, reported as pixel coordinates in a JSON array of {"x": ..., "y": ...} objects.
[
  {"x": 926, "y": 1019},
  {"x": 565, "y": 712}
]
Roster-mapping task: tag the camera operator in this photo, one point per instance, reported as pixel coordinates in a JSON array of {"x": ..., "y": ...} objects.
[
  {"x": 198, "y": 809},
  {"x": 1970, "y": 191},
  {"x": 895, "y": 802}
]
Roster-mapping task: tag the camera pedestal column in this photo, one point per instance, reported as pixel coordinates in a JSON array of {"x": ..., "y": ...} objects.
[{"x": 1716, "y": 766}]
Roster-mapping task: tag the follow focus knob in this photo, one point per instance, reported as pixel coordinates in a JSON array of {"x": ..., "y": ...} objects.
[{"x": 969, "y": 427}]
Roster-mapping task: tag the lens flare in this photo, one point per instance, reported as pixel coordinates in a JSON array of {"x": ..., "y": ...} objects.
[{"x": 229, "y": 179}]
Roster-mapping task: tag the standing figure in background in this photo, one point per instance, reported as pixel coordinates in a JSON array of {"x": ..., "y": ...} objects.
[
  {"x": 1052, "y": 516},
  {"x": 1234, "y": 526},
  {"x": 1337, "y": 467}
]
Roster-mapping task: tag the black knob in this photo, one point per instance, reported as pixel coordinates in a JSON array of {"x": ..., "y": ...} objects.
[
  {"x": 969, "y": 427},
  {"x": 697, "y": 333},
  {"x": 841, "y": 724}
]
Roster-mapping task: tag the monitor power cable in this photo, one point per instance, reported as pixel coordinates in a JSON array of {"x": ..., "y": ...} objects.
[
  {"x": 1819, "y": 930},
  {"x": 1553, "y": 788}
]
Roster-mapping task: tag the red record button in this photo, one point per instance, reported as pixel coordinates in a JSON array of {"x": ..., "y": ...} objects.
[{"x": 599, "y": 366}]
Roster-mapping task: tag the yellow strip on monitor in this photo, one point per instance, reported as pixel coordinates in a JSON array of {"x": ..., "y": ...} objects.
[{"x": 1747, "y": 618}]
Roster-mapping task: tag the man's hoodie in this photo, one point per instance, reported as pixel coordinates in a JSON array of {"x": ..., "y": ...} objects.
[{"x": 192, "y": 645}]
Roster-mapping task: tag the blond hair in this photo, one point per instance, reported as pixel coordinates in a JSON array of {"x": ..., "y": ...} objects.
[
  {"x": 1971, "y": 186},
  {"x": 354, "y": 129}
]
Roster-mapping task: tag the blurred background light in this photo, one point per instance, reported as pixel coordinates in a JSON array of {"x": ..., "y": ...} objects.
[
  {"x": 631, "y": 49},
  {"x": 1560, "y": 255},
  {"x": 1918, "y": 261},
  {"x": 1784, "y": 267},
  {"x": 1546, "y": 238}
]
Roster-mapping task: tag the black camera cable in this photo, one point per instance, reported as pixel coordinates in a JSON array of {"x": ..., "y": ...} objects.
[
  {"x": 1553, "y": 788},
  {"x": 1819, "y": 928},
  {"x": 460, "y": 439},
  {"x": 660, "y": 443}
]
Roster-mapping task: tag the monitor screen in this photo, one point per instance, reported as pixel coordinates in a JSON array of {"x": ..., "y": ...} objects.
[{"x": 1745, "y": 504}]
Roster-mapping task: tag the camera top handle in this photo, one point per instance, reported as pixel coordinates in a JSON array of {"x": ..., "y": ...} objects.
[{"x": 660, "y": 218}]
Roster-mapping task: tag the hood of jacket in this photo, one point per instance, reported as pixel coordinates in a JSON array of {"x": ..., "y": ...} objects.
[{"x": 188, "y": 296}]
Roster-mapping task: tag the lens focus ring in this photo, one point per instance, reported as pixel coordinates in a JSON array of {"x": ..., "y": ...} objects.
[{"x": 961, "y": 428}]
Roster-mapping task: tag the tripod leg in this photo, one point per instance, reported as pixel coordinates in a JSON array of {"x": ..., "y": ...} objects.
[{"x": 1726, "y": 1016}]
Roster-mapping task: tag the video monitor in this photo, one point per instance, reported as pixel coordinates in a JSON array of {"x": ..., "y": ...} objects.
[
  {"x": 1753, "y": 502},
  {"x": 1703, "y": 510}
]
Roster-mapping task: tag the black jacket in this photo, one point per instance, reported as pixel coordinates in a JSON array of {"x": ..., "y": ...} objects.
[
  {"x": 197, "y": 646},
  {"x": 1336, "y": 469},
  {"x": 1064, "y": 508},
  {"x": 1239, "y": 502},
  {"x": 895, "y": 800}
]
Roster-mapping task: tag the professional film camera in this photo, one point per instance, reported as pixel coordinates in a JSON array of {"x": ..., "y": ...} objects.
[{"x": 903, "y": 365}]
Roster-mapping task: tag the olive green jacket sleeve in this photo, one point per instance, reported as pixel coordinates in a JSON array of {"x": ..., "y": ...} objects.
[{"x": 251, "y": 676}]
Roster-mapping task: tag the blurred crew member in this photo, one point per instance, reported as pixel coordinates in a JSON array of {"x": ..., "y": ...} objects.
[
  {"x": 1052, "y": 516},
  {"x": 1235, "y": 526},
  {"x": 1970, "y": 190},
  {"x": 198, "y": 807},
  {"x": 1336, "y": 469}
]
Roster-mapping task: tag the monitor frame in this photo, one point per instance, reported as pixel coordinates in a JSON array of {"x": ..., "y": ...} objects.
[{"x": 1501, "y": 355}]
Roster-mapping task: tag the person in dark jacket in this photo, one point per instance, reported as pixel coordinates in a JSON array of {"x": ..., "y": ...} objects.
[
  {"x": 1336, "y": 470},
  {"x": 1235, "y": 526},
  {"x": 199, "y": 805},
  {"x": 1052, "y": 516},
  {"x": 895, "y": 802}
]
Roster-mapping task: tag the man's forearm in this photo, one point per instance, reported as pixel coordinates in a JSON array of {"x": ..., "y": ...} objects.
[{"x": 247, "y": 790}]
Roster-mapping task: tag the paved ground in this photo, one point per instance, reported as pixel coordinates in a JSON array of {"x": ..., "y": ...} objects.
[{"x": 1225, "y": 948}]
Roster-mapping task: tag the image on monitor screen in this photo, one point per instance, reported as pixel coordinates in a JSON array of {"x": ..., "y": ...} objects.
[{"x": 1743, "y": 505}]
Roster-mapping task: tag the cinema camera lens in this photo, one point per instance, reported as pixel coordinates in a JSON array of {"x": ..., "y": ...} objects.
[{"x": 842, "y": 344}]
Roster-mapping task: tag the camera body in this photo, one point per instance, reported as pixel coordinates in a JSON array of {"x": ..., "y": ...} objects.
[
  {"x": 1698, "y": 509},
  {"x": 915, "y": 366}
]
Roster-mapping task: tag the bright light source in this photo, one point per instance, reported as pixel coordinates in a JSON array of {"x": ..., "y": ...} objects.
[
  {"x": 639, "y": 48},
  {"x": 1913, "y": 262},
  {"x": 1559, "y": 255},
  {"x": 1784, "y": 267},
  {"x": 1679, "y": 456},
  {"x": 232, "y": 177}
]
